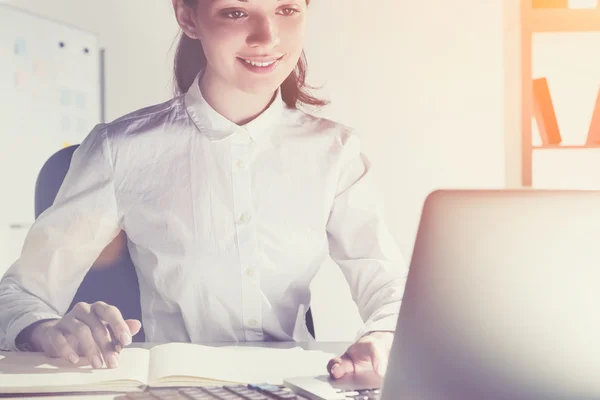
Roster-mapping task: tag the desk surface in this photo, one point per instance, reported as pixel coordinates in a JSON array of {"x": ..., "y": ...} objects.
[{"x": 330, "y": 347}]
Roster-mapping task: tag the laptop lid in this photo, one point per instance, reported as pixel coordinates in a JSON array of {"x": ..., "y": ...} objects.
[{"x": 502, "y": 298}]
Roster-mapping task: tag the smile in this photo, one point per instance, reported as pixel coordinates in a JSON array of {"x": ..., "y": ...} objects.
[
  {"x": 264, "y": 66},
  {"x": 260, "y": 64}
]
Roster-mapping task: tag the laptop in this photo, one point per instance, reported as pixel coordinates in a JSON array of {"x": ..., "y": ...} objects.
[{"x": 502, "y": 301}]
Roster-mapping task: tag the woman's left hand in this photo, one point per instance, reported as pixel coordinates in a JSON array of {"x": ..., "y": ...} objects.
[{"x": 370, "y": 352}]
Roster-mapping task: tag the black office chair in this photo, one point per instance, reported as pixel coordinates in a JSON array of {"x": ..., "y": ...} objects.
[{"x": 116, "y": 284}]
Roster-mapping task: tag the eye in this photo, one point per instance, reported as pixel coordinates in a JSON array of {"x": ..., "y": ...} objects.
[
  {"x": 288, "y": 11},
  {"x": 233, "y": 14}
]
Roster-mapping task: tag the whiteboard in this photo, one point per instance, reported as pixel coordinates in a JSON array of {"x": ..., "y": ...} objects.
[{"x": 50, "y": 78}]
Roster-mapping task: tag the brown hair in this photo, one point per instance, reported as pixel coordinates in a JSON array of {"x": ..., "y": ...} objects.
[{"x": 190, "y": 60}]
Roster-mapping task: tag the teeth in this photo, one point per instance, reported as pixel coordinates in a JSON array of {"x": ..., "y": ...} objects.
[{"x": 260, "y": 64}]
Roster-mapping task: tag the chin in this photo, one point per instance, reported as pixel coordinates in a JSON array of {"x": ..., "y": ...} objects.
[
  {"x": 259, "y": 91},
  {"x": 260, "y": 87}
]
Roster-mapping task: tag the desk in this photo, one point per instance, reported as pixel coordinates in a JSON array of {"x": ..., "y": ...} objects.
[{"x": 337, "y": 348}]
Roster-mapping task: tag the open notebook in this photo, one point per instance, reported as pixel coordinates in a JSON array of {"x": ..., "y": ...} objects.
[{"x": 167, "y": 365}]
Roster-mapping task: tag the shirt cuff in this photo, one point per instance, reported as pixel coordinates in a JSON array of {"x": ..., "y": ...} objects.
[
  {"x": 21, "y": 323},
  {"x": 386, "y": 324}
]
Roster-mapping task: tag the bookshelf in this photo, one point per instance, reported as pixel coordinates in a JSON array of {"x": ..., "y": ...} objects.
[{"x": 554, "y": 21}]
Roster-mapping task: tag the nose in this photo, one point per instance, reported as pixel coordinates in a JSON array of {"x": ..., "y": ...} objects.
[{"x": 264, "y": 33}]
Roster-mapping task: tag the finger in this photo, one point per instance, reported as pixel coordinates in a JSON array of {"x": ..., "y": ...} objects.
[
  {"x": 332, "y": 362},
  {"x": 82, "y": 332},
  {"x": 115, "y": 343},
  {"x": 134, "y": 326},
  {"x": 56, "y": 345},
  {"x": 378, "y": 358},
  {"x": 367, "y": 355},
  {"x": 112, "y": 316},
  {"x": 73, "y": 342},
  {"x": 341, "y": 366},
  {"x": 101, "y": 337},
  {"x": 378, "y": 361}
]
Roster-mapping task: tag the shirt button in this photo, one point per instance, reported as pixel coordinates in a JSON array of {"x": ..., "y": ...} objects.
[
  {"x": 244, "y": 218},
  {"x": 252, "y": 322},
  {"x": 249, "y": 272},
  {"x": 240, "y": 164}
]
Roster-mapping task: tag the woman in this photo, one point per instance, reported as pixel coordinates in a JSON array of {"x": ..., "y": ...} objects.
[{"x": 231, "y": 199}]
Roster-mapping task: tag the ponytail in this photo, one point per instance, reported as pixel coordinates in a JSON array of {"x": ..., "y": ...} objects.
[{"x": 189, "y": 61}]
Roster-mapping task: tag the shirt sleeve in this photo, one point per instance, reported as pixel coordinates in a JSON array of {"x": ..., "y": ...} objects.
[
  {"x": 62, "y": 243},
  {"x": 361, "y": 244}
]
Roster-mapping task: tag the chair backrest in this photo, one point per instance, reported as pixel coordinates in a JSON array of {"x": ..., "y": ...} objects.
[{"x": 117, "y": 283}]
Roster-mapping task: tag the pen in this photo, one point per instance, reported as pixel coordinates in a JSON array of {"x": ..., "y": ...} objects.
[{"x": 116, "y": 343}]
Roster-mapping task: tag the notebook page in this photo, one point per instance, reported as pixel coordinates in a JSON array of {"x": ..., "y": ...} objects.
[
  {"x": 31, "y": 370},
  {"x": 235, "y": 363}
]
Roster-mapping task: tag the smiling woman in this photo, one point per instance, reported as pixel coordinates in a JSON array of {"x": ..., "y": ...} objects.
[
  {"x": 222, "y": 28},
  {"x": 231, "y": 199}
]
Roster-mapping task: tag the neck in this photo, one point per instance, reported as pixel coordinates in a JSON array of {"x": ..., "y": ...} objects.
[{"x": 237, "y": 106}]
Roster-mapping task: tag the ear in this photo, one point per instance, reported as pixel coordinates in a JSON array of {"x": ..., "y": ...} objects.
[{"x": 185, "y": 18}]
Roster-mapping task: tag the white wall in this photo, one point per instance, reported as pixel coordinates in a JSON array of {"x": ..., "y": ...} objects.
[
  {"x": 426, "y": 82},
  {"x": 423, "y": 81}
]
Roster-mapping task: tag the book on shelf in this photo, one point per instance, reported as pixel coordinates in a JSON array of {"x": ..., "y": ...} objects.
[
  {"x": 593, "y": 137},
  {"x": 544, "y": 114}
]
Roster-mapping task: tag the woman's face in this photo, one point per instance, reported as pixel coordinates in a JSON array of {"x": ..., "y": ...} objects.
[{"x": 252, "y": 45}]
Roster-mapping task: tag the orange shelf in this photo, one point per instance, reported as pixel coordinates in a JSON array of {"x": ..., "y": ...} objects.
[
  {"x": 565, "y": 147},
  {"x": 565, "y": 20}
]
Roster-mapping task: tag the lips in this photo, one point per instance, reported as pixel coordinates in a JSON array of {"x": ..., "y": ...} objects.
[
  {"x": 263, "y": 65},
  {"x": 262, "y": 62}
]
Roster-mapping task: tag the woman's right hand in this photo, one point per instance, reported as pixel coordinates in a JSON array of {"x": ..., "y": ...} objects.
[{"x": 83, "y": 332}]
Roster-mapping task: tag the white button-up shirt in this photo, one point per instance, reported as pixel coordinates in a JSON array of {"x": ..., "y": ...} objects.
[{"x": 227, "y": 225}]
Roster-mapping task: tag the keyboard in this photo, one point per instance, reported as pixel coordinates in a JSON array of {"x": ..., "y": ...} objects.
[
  {"x": 226, "y": 392},
  {"x": 238, "y": 392}
]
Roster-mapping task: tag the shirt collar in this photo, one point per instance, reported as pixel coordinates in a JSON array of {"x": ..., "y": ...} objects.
[{"x": 216, "y": 127}]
